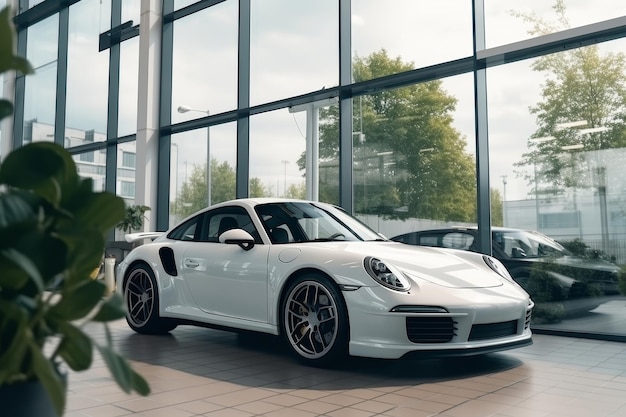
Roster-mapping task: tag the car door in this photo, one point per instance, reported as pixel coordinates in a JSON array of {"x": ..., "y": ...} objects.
[{"x": 224, "y": 279}]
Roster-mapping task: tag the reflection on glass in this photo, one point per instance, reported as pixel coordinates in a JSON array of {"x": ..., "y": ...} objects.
[
  {"x": 131, "y": 10},
  {"x": 412, "y": 165},
  {"x": 204, "y": 67},
  {"x": 506, "y": 21},
  {"x": 88, "y": 71},
  {"x": 556, "y": 139},
  {"x": 129, "y": 85},
  {"x": 92, "y": 165},
  {"x": 421, "y": 33},
  {"x": 278, "y": 141},
  {"x": 294, "y": 48},
  {"x": 126, "y": 171},
  {"x": 188, "y": 172}
]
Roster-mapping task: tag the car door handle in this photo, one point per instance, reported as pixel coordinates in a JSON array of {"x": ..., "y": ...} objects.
[{"x": 190, "y": 263}]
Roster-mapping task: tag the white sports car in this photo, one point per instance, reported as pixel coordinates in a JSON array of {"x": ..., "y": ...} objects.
[{"x": 324, "y": 281}]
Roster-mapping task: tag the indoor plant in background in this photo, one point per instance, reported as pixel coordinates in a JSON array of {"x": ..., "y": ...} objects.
[
  {"x": 52, "y": 235},
  {"x": 133, "y": 219}
]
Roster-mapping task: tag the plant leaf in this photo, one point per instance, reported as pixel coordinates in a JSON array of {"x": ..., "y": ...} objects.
[
  {"x": 15, "y": 337},
  {"x": 6, "y": 108},
  {"x": 123, "y": 374},
  {"x": 100, "y": 211},
  {"x": 76, "y": 348},
  {"x": 111, "y": 309},
  {"x": 50, "y": 169},
  {"x": 8, "y": 60},
  {"x": 16, "y": 267},
  {"x": 77, "y": 301}
]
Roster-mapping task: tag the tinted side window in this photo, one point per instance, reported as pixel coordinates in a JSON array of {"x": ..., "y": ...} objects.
[
  {"x": 187, "y": 230},
  {"x": 429, "y": 240},
  {"x": 220, "y": 220},
  {"x": 410, "y": 238},
  {"x": 457, "y": 240}
]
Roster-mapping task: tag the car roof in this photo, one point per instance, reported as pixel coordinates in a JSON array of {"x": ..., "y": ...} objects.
[{"x": 465, "y": 228}]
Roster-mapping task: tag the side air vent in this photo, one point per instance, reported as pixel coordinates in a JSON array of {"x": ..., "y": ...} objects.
[
  {"x": 430, "y": 329},
  {"x": 167, "y": 260},
  {"x": 529, "y": 314}
]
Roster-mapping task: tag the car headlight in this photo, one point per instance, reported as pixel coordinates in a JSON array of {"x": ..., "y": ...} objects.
[
  {"x": 386, "y": 274},
  {"x": 497, "y": 267}
]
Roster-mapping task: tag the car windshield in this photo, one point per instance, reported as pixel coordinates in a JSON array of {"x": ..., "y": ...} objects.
[
  {"x": 527, "y": 244},
  {"x": 287, "y": 222}
]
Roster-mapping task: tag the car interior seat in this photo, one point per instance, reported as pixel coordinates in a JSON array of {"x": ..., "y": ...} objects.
[
  {"x": 279, "y": 235},
  {"x": 227, "y": 223}
]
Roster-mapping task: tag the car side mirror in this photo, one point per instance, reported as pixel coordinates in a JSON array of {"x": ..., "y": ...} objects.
[{"x": 237, "y": 237}]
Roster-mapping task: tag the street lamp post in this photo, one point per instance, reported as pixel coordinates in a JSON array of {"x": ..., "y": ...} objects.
[
  {"x": 185, "y": 109},
  {"x": 284, "y": 162}
]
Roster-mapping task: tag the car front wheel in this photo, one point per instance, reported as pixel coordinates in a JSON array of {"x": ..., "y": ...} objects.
[
  {"x": 314, "y": 320},
  {"x": 142, "y": 302}
]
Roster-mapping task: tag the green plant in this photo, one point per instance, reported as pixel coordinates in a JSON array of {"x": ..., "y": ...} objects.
[
  {"x": 133, "y": 220},
  {"x": 52, "y": 236},
  {"x": 8, "y": 60}
]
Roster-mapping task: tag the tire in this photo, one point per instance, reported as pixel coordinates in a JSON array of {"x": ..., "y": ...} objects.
[
  {"x": 321, "y": 338},
  {"x": 141, "y": 297}
]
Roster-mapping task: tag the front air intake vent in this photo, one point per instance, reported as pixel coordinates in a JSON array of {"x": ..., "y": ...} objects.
[
  {"x": 493, "y": 330},
  {"x": 430, "y": 329}
]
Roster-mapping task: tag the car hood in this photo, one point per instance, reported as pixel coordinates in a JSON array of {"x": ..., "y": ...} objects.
[{"x": 445, "y": 267}]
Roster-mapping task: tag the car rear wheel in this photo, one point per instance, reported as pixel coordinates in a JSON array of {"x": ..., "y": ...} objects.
[
  {"x": 314, "y": 320},
  {"x": 142, "y": 302}
]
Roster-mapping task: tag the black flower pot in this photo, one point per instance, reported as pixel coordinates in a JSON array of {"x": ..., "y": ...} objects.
[{"x": 26, "y": 399}]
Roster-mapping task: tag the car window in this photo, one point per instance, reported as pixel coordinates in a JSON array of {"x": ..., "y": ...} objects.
[
  {"x": 523, "y": 244},
  {"x": 429, "y": 240},
  {"x": 185, "y": 231},
  {"x": 306, "y": 222},
  {"x": 457, "y": 240},
  {"x": 223, "y": 219}
]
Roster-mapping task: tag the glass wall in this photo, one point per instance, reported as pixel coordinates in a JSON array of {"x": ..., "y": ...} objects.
[
  {"x": 129, "y": 85},
  {"x": 508, "y": 21},
  {"x": 414, "y": 156},
  {"x": 558, "y": 146},
  {"x": 86, "y": 95},
  {"x": 278, "y": 143},
  {"x": 190, "y": 151},
  {"x": 409, "y": 34},
  {"x": 40, "y": 89},
  {"x": 204, "y": 73},
  {"x": 416, "y": 145},
  {"x": 294, "y": 48}
]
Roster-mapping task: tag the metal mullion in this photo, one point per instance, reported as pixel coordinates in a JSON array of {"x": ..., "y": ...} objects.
[
  {"x": 243, "y": 103},
  {"x": 483, "y": 197},
  {"x": 346, "y": 148},
  {"x": 61, "y": 82}
]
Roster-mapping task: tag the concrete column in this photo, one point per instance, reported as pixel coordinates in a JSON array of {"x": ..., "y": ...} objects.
[{"x": 148, "y": 109}]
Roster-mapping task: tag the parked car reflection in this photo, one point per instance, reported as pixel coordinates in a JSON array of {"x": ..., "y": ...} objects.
[{"x": 557, "y": 280}]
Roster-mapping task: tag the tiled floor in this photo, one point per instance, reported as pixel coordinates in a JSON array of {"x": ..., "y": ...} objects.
[{"x": 203, "y": 372}]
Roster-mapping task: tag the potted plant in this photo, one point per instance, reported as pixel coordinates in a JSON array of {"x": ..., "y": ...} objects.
[
  {"x": 133, "y": 219},
  {"x": 52, "y": 235}
]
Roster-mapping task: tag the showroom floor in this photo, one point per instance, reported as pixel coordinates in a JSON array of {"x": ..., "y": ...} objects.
[{"x": 203, "y": 372}]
